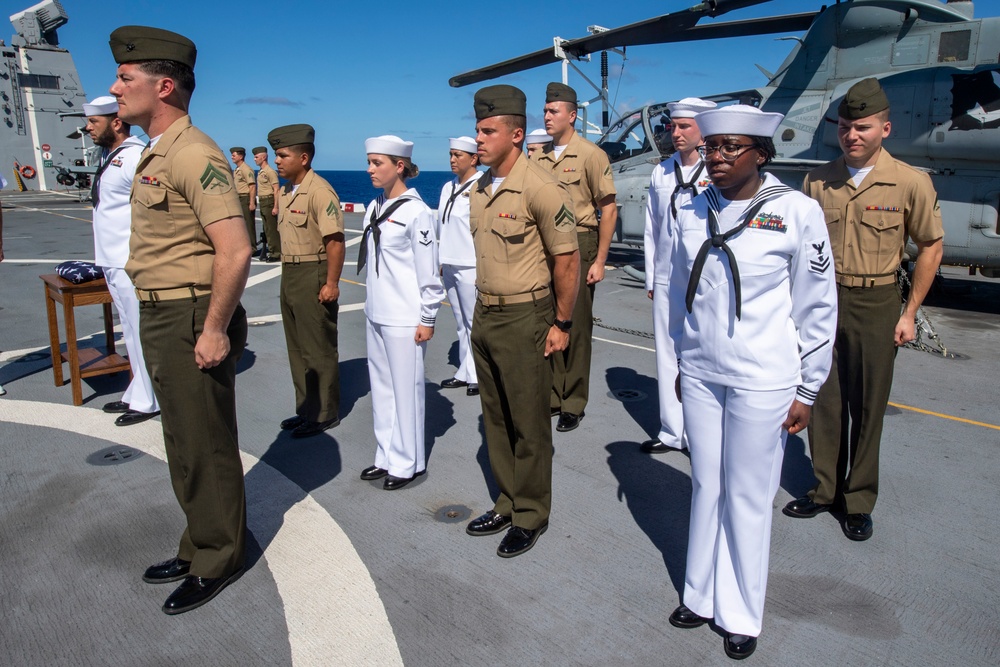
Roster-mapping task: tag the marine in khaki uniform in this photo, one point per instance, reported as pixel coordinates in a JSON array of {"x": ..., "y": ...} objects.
[
  {"x": 189, "y": 257},
  {"x": 267, "y": 198},
  {"x": 872, "y": 203},
  {"x": 585, "y": 171},
  {"x": 311, "y": 227},
  {"x": 246, "y": 188},
  {"x": 527, "y": 273}
]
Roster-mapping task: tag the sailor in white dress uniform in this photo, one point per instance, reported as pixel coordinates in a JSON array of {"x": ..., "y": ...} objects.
[
  {"x": 673, "y": 183},
  {"x": 112, "y": 229},
  {"x": 458, "y": 255},
  {"x": 753, "y": 318},
  {"x": 404, "y": 294}
]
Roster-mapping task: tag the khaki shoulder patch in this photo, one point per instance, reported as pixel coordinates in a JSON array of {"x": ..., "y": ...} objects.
[
  {"x": 565, "y": 220},
  {"x": 607, "y": 170},
  {"x": 214, "y": 180}
]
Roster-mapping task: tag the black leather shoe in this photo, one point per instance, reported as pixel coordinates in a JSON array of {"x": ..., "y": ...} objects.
[
  {"x": 196, "y": 591},
  {"x": 858, "y": 527},
  {"x": 307, "y": 429},
  {"x": 473, "y": 390},
  {"x": 292, "y": 422},
  {"x": 739, "y": 651},
  {"x": 568, "y": 421},
  {"x": 518, "y": 540},
  {"x": 174, "y": 569},
  {"x": 654, "y": 446},
  {"x": 115, "y": 407},
  {"x": 555, "y": 412},
  {"x": 454, "y": 383},
  {"x": 392, "y": 482},
  {"x": 134, "y": 417},
  {"x": 687, "y": 619},
  {"x": 373, "y": 472},
  {"x": 804, "y": 508},
  {"x": 490, "y": 523}
]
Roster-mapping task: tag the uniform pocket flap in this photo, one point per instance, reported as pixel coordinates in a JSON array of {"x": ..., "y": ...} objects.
[
  {"x": 882, "y": 220},
  {"x": 149, "y": 196},
  {"x": 509, "y": 229}
]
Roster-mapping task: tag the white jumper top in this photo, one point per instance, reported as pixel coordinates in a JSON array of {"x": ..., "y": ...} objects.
[
  {"x": 659, "y": 231},
  {"x": 113, "y": 215},
  {"x": 453, "y": 229}
]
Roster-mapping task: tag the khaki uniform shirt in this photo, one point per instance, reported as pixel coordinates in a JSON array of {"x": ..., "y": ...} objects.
[
  {"x": 307, "y": 214},
  {"x": 517, "y": 228},
  {"x": 267, "y": 178},
  {"x": 585, "y": 171},
  {"x": 869, "y": 225},
  {"x": 182, "y": 185},
  {"x": 244, "y": 179}
]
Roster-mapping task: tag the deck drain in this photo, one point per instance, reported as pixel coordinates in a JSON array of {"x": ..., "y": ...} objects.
[
  {"x": 111, "y": 456},
  {"x": 452, "y": 514},
  {"x": 628, "y": 395}
]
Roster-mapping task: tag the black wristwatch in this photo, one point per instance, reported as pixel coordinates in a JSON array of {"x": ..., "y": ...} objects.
[{"x": 563, "y": 325}]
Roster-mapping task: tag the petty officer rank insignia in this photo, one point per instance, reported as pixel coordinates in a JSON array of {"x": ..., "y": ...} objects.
[
  {"x": 821, "y": 262},
  {"x": 891, "y": 209},
  {"x": 425, "y": 240},
  {"x": 773, "y": 223},
  {"x": 214, "y": 180},
  {"x": 149, "y": 180}
]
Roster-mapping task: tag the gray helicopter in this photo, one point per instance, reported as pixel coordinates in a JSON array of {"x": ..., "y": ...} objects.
[{"x": 939, "y": 66}]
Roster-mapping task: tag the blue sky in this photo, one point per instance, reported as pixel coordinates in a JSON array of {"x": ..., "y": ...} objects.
[{"x": 355, "y": 70}]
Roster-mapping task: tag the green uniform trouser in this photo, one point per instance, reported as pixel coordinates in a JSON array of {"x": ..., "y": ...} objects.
[
  {"x": 270, "y": 220},
  {"x": 198, "y": 413},
  {"x": 846, "y": 425},
  {"x": 508, "y": 345},
  {"x": 249, "y": 217},
  {"x": 311, "y": 338},
  {"x": 571, "y": 367}
]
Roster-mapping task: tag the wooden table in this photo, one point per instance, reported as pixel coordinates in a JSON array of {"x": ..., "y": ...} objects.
[{"x": 88, "y": 361}]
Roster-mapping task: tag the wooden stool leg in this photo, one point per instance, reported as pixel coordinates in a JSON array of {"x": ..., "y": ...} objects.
[
  {"x": 74, "y": 356},
  {"x": 109, "y": 330},
  {"x": 50, "y": 310}
]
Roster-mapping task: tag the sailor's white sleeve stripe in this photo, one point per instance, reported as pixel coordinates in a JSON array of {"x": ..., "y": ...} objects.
[
  {"x": 427, "y": 321},
  {"x": 806, "y": 396}
]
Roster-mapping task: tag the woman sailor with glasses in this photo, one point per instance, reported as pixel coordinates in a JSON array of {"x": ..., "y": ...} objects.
[{"x": 752, "y": 316}]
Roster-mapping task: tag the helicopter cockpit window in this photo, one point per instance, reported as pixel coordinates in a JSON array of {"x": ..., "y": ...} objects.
[
  {"x": 954, "y": 46},
  {"x": 626, "y": 138}
]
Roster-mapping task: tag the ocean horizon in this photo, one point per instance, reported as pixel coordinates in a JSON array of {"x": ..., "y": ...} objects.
[{"x": 355, "y": 187}]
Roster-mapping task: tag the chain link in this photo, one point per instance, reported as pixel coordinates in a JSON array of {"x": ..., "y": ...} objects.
[
  {"x": 923, "y": 325},
  {"x": 631, "y": 332}
]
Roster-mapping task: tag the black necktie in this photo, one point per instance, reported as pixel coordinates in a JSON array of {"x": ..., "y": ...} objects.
[
  {"x": 718, "y": 240},
  {"x": 455, "y": 192},
  {"x": 375, "y": 232},
  {"x": 95, "y": 193},
  {"x": 683, "y": 185}
]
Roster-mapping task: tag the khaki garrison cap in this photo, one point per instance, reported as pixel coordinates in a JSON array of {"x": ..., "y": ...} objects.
[
  {"x": 865, "y": 98},
  {"x": 559, "y": 92},
  {"x": 500, "y": 100},
  {"x": 238, "y": 149},
  {"x": 259, "y": 149},
  {"x": 291, "y": 135},
  {"x": 132, "y": 43}
]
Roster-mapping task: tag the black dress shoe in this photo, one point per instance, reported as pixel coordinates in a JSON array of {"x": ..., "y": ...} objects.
[
  {"x": 392, "y": 482},
  {"x": 307, "y": 429},
  {"x": 568, "y": 421},
  {"x": 115, "y": 407},
  {"x": 454, "y": 383},
  {"x": 134, "y": 417},
  {"x": 858, "y": 527},
  {"x": 196, "y": 591},
  {"x": 373, "y": 472},
  {"x": 490, "y": 523},
  {"x": 518, "y": 540},
  {"x": 743, "y": 649},
  {"x": 804, "y": 508},
  {"x": 167, "y": 571},
  {"x": 473, "y": 390},
  {"x": 555, "y": 412},
  {"x": 687, "y": 619},
  {"x": 292, "y": 422},
  {"x": 654, "y": 446}
]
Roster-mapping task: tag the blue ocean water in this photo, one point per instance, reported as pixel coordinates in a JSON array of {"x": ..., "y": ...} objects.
[{"x": 356, "y": 186}]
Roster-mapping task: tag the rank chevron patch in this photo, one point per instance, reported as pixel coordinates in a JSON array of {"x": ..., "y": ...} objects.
[
  {"x": 215, "y": 179},
  {"x": 565, "y": 217},
  {"x": 331, "y": 209},
  {"x": 821, "y": 262}
]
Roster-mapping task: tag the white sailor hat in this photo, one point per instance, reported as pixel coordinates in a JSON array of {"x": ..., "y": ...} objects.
[
  {"x": 101, "y": 106},
  {"x": 537, "y": 137},
  {"x": 689, "y": 107},
  {"x": 389, "y": 144},
  {"x": 738, "y": 119},
  {"x": 467, "y": 144}
]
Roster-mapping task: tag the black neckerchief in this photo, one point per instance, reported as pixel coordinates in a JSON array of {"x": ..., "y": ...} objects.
[
  {"x": 683, "y": 185},
  {"x": 95, "y": 195},
  {"x": 375, "y": 232},
  {"x": 455, "y": 192},
  {"x": 718, "y": 240}
]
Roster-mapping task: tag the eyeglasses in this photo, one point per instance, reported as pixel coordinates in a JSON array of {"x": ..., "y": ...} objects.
[{"x": 729, "y": 152}]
